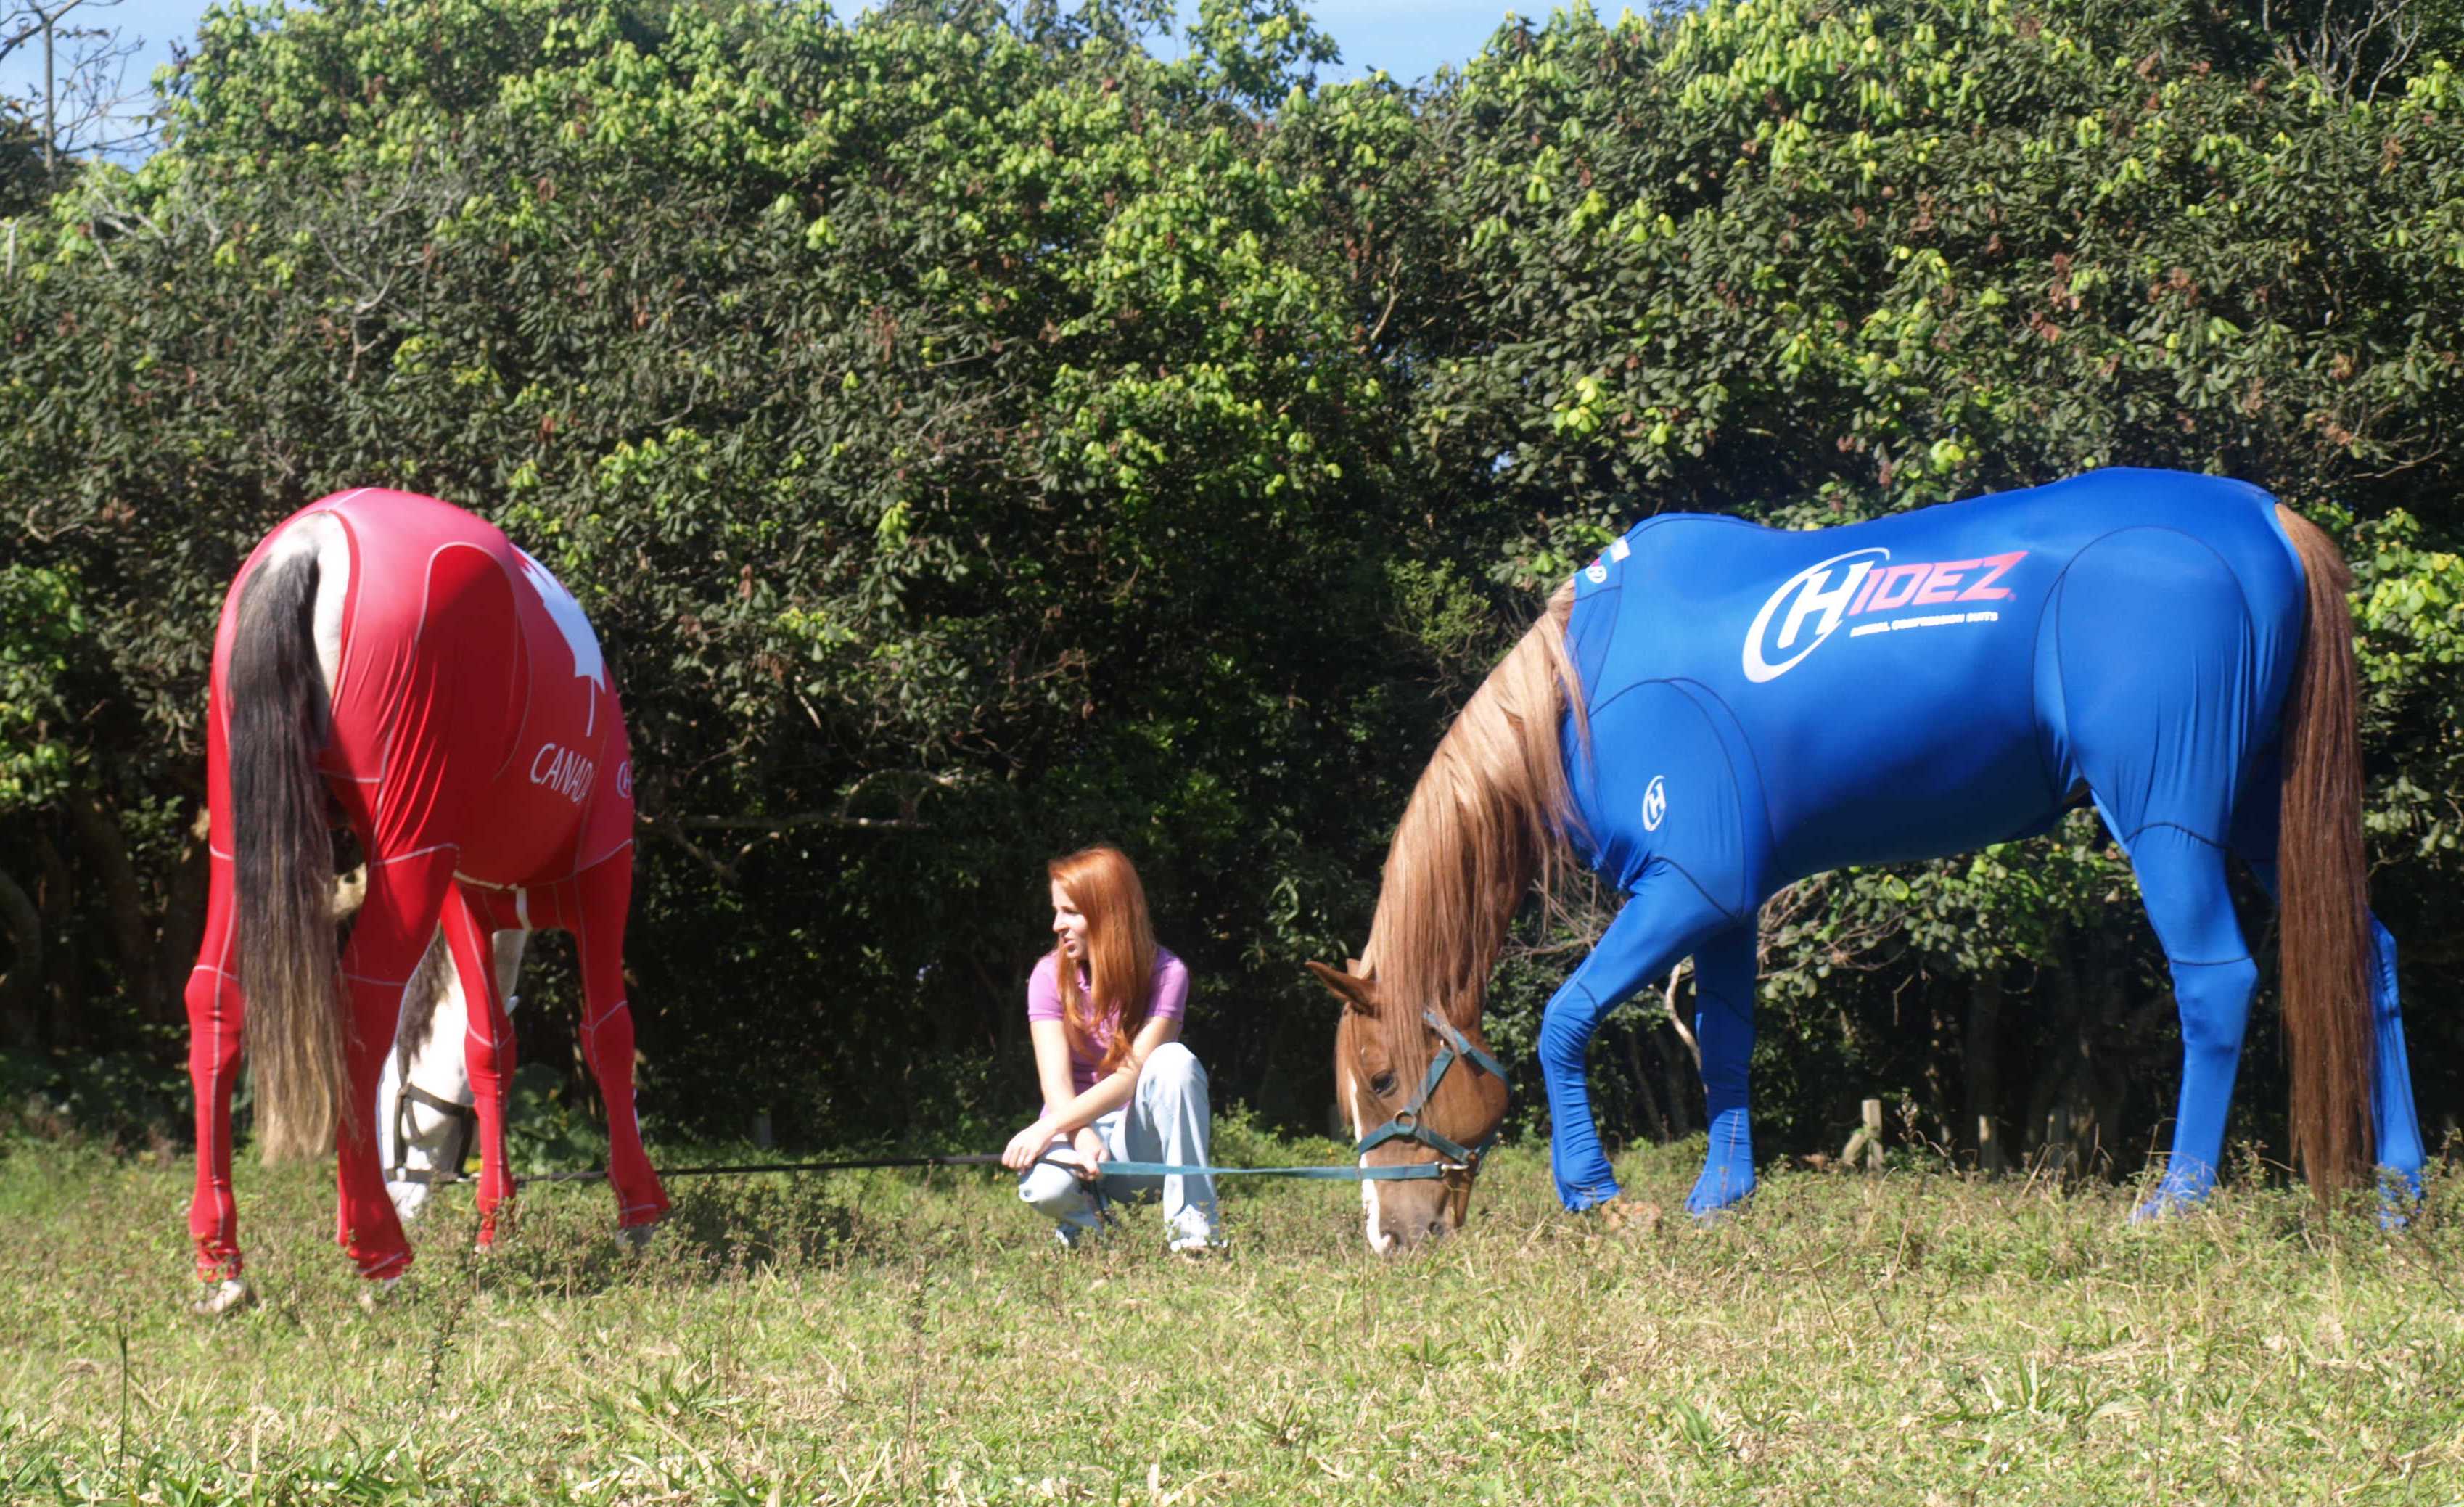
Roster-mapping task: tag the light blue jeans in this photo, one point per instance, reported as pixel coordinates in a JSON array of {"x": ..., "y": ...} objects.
[{"x": 1165, "y": 1120}]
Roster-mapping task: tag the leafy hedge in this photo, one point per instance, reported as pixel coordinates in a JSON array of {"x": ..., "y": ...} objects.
[{"x": 973, "y": 436}]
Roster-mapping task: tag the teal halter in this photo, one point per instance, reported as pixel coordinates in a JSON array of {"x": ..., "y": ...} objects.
[{"x": 1406, "y": 1125}]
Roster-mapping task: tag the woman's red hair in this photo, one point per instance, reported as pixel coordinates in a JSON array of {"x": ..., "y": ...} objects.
[{"x": 1103, "y": 886}]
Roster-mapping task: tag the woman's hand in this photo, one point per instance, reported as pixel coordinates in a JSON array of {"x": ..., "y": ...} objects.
[
  {"x": 1025, "y": 1146},
  {"x": 1089, "y": 1145}
]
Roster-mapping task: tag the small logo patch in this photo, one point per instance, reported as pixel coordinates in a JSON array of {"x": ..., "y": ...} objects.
[
  {"x": 1655, "y": 803},
  {"x": 1596, "y": 572}
]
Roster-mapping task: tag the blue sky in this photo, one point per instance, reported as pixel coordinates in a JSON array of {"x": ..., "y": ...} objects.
[{"x": 1409, "y": 38}]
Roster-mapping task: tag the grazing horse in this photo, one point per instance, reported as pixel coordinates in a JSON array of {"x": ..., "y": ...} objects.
[
  {"x": 393, "y": 662},
  {"x": 426, "y": 1114},
  {"x": 1711, "y": 710}
]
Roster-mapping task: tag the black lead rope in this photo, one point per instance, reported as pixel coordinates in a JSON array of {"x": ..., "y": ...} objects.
[{"x": 967, "y": 1158}]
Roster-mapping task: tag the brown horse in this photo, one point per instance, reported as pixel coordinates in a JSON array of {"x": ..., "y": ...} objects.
[{"x": 1710, "y": 712}]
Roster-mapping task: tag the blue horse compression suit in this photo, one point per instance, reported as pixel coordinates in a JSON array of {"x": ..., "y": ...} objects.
[{"x": 1765, "y": 705}]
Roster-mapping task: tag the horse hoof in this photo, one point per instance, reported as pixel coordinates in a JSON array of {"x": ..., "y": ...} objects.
[
  {"x": 227, "y": 1296},
  {"x": 2174, "y": 1201},
  {"x": 2400, "y": 1195},
  {"x": 1715, "y": 1198},
  {"x": 1630, "y": 1216}
]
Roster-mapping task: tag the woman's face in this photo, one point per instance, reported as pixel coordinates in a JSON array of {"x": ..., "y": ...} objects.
[{"x": 1068, "y": 925}]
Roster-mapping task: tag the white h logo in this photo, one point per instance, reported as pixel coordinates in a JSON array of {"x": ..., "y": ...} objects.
[{"x": 1807, "y": 587}]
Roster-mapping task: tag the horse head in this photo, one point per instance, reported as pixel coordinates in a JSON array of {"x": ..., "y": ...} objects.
[{"x": 1418, "y": 1089}]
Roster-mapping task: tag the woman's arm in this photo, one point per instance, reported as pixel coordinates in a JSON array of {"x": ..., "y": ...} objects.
[
  {"x": 1052, "y": 1074},
  {"x": 1051, "y": 1040},
  {"x": 1070, "y": 1115},
  {"x": 1112, "y": 1090}
]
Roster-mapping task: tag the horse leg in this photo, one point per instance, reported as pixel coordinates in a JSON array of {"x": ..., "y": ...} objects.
[
  {"x": 1667, "y": 918},
  {"x": 487, "y": 1048},
  {"x": 2182, "y": 882},
  {"x": 394, "y": 925},
  {"x": 216, "y": 1015},
  {"x": 605, "y": 892},
  {"x": 2396, "y": 1126},
  {"x": 1724, "y": 1027}
]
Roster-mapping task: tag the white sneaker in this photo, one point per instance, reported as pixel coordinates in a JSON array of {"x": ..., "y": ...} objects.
[
  {"x": 223, "y": 1298},
  {"x": 379, "y": 1291}
]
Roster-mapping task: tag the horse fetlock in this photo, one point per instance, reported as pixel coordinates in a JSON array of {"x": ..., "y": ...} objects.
[
  {"x": 409, "y": 1200},
  {"x": 227, "y": 1296}
]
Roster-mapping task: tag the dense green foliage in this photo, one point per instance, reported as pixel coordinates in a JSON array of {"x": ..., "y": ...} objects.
[{"x": 974, "y": 437}]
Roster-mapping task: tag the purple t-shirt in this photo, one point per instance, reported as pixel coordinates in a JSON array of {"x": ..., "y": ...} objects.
[{"x": 1044, "y": 1003}]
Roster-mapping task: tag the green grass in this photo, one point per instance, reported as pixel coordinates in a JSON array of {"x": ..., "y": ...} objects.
[{"x": 1912, "y": 1338}]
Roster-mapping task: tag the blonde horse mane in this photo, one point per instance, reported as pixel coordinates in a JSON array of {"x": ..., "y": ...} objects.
[{"x": 1489, "y": 817}]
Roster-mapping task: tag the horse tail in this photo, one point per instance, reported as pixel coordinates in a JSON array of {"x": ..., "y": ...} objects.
[
  {"x": 284, "y": 860},
  {"x": 2325, "y": 885}
]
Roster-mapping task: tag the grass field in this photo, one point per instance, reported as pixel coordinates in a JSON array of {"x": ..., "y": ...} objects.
[{"x": 1910, "y": 1338}]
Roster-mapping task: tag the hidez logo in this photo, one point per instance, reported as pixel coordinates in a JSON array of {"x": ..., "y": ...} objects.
[
  {"x": 1655, "y": 803},
  {"x": 1857, "y": 582}
]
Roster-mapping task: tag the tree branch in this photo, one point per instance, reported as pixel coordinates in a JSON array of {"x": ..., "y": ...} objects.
[{"x": 793, "y": 819}]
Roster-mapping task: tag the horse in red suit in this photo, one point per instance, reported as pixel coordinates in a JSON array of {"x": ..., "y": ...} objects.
[{"x": 393, "y": 662}]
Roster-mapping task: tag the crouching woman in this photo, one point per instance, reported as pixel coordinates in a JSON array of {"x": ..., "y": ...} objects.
[{"x": 1104, "y": 1009}]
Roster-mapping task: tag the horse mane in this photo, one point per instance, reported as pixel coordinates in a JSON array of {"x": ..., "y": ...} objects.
[
  {"x": 1489, "y": 815},
  {"x": 420, "y": 998}
]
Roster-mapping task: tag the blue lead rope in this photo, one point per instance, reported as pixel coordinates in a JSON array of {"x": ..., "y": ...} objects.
[
  {"x": 1405, "y": 1126},
  {"x": 1417, "y": 1171}
]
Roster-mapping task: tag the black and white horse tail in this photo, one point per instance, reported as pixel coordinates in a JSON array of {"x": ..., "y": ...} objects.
[{"x": 283, "y": 855}]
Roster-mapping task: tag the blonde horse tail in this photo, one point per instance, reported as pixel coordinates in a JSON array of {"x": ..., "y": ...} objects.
[
  {"x": 2325, "y": 915},
  {"x": 284, "y": 862}
]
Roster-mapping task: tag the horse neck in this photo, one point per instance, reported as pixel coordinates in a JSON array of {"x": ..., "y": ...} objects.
[{"x": 1486, "y": 819}]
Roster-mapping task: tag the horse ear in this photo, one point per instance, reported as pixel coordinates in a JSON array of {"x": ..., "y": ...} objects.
[{"x": 1355, "y": 991}]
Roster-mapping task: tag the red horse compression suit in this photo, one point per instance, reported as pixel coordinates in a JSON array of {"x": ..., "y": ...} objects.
[{"x": 478, "y": 752}]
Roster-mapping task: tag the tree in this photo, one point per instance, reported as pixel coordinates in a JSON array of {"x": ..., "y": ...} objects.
[
  {"x": 972, "y": 436},
  {"x": 78, "y": 103}
]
